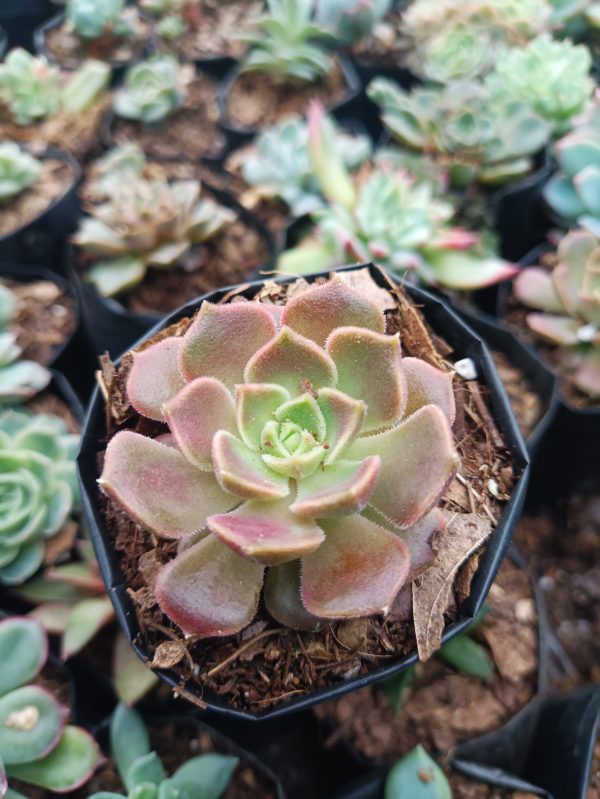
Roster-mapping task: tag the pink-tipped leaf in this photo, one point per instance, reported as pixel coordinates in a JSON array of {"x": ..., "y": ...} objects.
[
  {"x": 556, "y": 329},
  {"x": 241, "y": 471},
  {"x": 344, "y": 418},
  {"x": 282, "y": 598},
  {"x": 155, "y": 378},
  {"x": 255, "y": 406},
  {"x": 426, "y": 385},
  {"x": 534, "y": 287},
  {"x": 341, "y": 489}
]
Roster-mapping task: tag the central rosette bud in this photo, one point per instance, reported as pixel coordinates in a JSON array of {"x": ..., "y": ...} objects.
[{"x": 293, "y": 441}]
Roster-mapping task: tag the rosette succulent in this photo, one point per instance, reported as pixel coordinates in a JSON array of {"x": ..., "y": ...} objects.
[
  {"x": 470, "y": 132},
  {"x": 569, "y": 301},
  {"x": 351, "y": 20},
  {"x": 574, "y": 191},
  {"x": 146, "y": 223},
  {"x": 552, "y": 78},
  {"x": 38, "y": 489},
  {"x": 18, "y": 170},
  {"x": 19, "y": 380},
  {"x": 311, "y": 452},
  {"x": 154, "y": 89},
  {"x": 143, "y": 774},
  {"x": 37, "y": 746},
  {"x": 92, "y": 19}
]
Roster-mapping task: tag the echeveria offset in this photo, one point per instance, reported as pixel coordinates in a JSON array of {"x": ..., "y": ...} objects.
[
  {"x": 37, "y": 746},
  {"x": 154, "y": 89},
  {"x": 19, "y": 380},
  {"x": 569, "y": 299},
  {"x": 18, "y": 170},
  {"x": 300, "y": 445}
]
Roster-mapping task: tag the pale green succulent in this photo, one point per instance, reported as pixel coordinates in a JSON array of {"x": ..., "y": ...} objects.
[
  {"x": 351, "y": 20},
  {"x": 38, "y": 489},
  {"x": 418, "y": 776},
  {"x": 154, "y": 89},
  {"x": 8, "y": 303},
  {"x": 18, "y": 170},
  {"x": 94, "y": 18},
  {"x": 19, "y": 380},
  {"x": 37, "y": 746}
]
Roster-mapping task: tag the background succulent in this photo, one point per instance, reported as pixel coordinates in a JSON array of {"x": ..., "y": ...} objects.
[
  {"x": 417, "y": 775},
  {"x": 38, "y": 489},
  {"x": 285, "y": 44},
  {"x": 37, "y": 746},
  {"x": 351, "y": 20},
  {"x": 8, "y": 304},
  {"x": 18, "y": 170},
  {"x": 295, "y": 436},
  {"x": 154, "y": 89},
  {"x": 569, "y": 299},
  {"x": 574, "y": 191},
  {"x": 474, "y": 135},
  {"x": 146, "y": 223},
  {"x": 19, "y": 380},
  {"x": 94, "y": 18}
]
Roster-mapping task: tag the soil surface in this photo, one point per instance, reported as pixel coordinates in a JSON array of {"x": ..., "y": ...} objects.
[
  {"x": 255, "y": 100},
  {"x": 69, "y": 50},
  {"x": 43, "y": 319},
  {"x": 54, "y": 181},
  {"x": 526, "y": 404},
  {"x": 443, "y": 707},
  {"x": 265, "y": 663},
  {"x": 192, "y": 132},
  {"x": 381, "y": 50},
  {"x": 464, "y": 788}
]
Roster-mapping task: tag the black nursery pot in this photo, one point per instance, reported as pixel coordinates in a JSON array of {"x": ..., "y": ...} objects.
[
  {"x": 348, "y": 107},
  {"x": 19, "y": 18},
  {"x": 40, "y": 241},
  {"x": 3, "y": 42},
  {"x": 465, "y": 344}
]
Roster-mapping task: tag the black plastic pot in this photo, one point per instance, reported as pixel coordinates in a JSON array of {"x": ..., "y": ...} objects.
[
  {"x": 20, "y": 17},
  {"x": 3, "y": 42},
  {"x": 465, "y": 343},
  {"x": 350, "y": 106},
  {"x": 40, "y": 242}
]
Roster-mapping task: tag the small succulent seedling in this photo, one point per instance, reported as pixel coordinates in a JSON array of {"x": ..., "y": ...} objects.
[
  {"x": 38, "y": 491},
  {"x": 146, "y": 223},
  {"x": 19, "y": 380},
  {"x": 154, "y": 89},
  {"x": 143, "y": 774},
  {"x": 18, "y": 170},
  {"x": 92, "y": 19},
  {"x": 574, "y": 191},
  {"x": 175, "y": 17},
  {"x": 391, "y": 218},
  {"x": 417, "y": 776},
  {"x": 312, "y": 455},
  {"x": 279, "y": 165},
  {"x": 351, "y": 20},
  {"x": 552, "y": 78},
  {"x": 285, "y": 44},
  {"x": 569, "y": 299},
  {"x": 37, "y": 746},
  {"x": 470, "y": 132}
]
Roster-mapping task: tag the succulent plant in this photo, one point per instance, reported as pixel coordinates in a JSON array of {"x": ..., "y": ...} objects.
[
  {"x": 38, "y": 489},
  {"x": 574, "y": 191},
  {"x": 18, "y": 170},
  {"x": 572, "y": 17},
  {"x": 8, "y": 304},
  {"x": 389, "y": 217},
  {"x": 288, "y": 454},
  {"x": 37, "y": 746},
  {"x": 143, "y": 774},
  {"x": 451, "y": 41},
  {"x": 569, "y": 299},
  {"x": 19, "y": 380},
  {"x": 552, "y": 78},
  {"x": 418, "y": 776},
  {"x": 175, "y": 17},
  {"x": 108, "y": 173},
  {"x": 279, "y": 164},
  {"x": 284, "y": 45},
  {"x": 154, "y": 89},
  {"x": 146, "y": 223},
  {"x": 92, "y": 19},
  {"x": 351, "y": 20},
  {"x": 469, "y": 132}
]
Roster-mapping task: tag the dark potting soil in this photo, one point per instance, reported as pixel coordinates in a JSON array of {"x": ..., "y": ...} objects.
[
  {"x": 70, "y": 50},
  {"x": 464, "y": 788},
  {"x": 47, "y": 402},
  {"x": 43, "y": 319},
  {"x": 219, "y": 32},
  {"x": 526, "y": 404},
  {"x": 563, "y": 545},
  {"x": 256, "y": 100},
  {"x": 54, "y": 181},
  {"x": 266, "y": 663},
  {"x": 443, "y": 707},
  {"x": 192, "y": 132}
]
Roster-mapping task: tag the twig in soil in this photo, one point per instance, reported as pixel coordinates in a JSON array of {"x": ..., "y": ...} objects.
[
  {"x": 220, "y": 666},
  {"x": 477, "y": 496},
  {"x": 487, "y": 417}
]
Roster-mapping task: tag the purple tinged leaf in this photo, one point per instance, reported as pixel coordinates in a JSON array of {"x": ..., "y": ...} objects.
[
  {"x": 31, "y": 722},
  {"x": 344, "y": 418},
  {"x": 158, "y": 487},
  {"x": 282, "y": 598},
  {"x": 426, "y": 385},
  {"x": 535, "y": 288},
  {"x": 341, "y": 489},
  {"x": 556, "y": 329},
  {"x": 210, "y": 590},
  {"x": 255, "y": 406},
  {"x": 155, "y": 378},
  {"x": 242, "y": 472}
]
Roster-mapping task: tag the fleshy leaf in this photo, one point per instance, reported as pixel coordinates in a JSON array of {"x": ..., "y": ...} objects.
[
  {"x": 158, "y": 487},
  {"x": 31, "y": 721},
  {"x": 206, "y": 776},
  {"x": 557, "y": 329},
  {"x": 222, "y": 338},
  {"x": 338, "y": 490},
  {"x": 418, "y": 461},
  {"x": 23, "y": 652},
  {"x": 85, "y": 620},
  {"x": 268, "y": 532},
  {"x": 292, "y": 361},
  {"x": 344, "y": 418},
  {"x": 368, "y": 367},
  {"x": 317, "y": 312},
  {"x": 535, "y": 288},
  {"x": 133, "y": 679},
  {"x": 426, "y": 385},
  {"x": 196, "y": 414},
  {"x": 154, "y": 377},
  {"x": 129, "y": 740},
  {"x": 417, "y": 776},
  {"x": 282, "y": 598},
  {"x": 241, "y": 471},
  {"x": 210, "y": 590},
  {"x": 255, "y": 405},
  {"x": 357, "y": 571},
  {"x": 587, "y": 374},
  {"x": 418, "y": 539}
]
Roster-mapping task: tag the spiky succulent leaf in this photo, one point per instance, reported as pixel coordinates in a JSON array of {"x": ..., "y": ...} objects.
[{"x": 18, "y": 170}]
